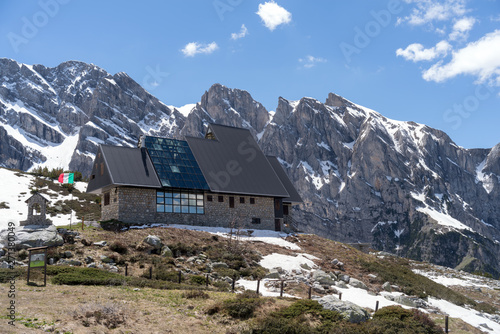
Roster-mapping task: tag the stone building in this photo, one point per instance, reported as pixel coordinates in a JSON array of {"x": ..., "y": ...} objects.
[
  {"x": 222, "y": 180},
  {"x": 37, "y": 207}
]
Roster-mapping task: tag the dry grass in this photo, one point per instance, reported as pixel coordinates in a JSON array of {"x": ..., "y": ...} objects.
[{"x": 94, "y": 309}]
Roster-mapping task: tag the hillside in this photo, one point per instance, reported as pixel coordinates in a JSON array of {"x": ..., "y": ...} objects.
[
  {"x": 138, "y": 304},
  {"x": 400, "y": 186}
]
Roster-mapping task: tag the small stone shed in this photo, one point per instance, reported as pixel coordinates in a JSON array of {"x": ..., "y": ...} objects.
[{"x": 37, "y": 208}]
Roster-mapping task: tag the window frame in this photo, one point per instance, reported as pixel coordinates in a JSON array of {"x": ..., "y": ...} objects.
[
  {"x": 107, "y": 198},
  {"x": 180, "y": 201}
]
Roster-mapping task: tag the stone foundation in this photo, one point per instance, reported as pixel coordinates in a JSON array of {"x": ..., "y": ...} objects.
[{"x": 138, "y": 205}]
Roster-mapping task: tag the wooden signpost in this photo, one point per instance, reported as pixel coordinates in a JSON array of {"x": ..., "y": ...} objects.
[{"x": 38, "y": 259}]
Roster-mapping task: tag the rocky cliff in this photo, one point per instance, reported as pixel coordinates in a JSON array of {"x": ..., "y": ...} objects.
[{"x": 403, "y": 187}]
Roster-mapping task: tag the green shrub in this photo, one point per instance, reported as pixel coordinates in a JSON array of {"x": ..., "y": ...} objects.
[
  {"x": 221, "y": 285},
  {"x": 8, "y": 274},
  {"x": 182, "y": 249},
  {"x": 118, "y": 247},
  {"x": 395, "y": 319},
  {"x": 198, "y": 280},
  {"x": 274, "y": 325},
  {"x": 238, "y": 308},
  {"x": 88, "y": 276},
  {"x": 248, "y": 294},
  {"x": 195, "y": 294},
  {"x": 306, "y": 306},
  {"x": 241, "y": 308},
  {"x": 223, "y": 272},
  {"x": 255, "y": 272},
  {"x": 166, "y": 275}
]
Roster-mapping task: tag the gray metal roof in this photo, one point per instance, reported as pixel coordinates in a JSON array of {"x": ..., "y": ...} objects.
[
  {"x": 234, "y": 163},
  {"x": 124, "y": 166},
  {"x": 294, "y": 195}
]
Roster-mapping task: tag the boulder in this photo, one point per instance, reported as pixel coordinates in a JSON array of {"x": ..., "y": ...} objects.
[
  {"x": 357, "y": 284},
  {"x": 219, "y": 265},
  {"x": 105, "y": 259},
  {"x": 414, "y": 302},
  {"x": 69, "y": 262},
  {"x": 348, "y": 310},
  {"x": 326, "y": 280},
  {"x": 166, "y": 252},
  {"x": 68, "y": 254},
  {"x": 341, "y": 284},
  {"x": 153, "y": 241},
  {"x": 273, "y": 274},
  {"x": 345, "y": 278},
  {"x": 387, "y": 287},
  {"x": 100, "y": 243},
  {"x": 89, "y": 259},
  {"x": 34, "y": 236}
]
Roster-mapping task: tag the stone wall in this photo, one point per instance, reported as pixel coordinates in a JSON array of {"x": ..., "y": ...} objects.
[{"x": 138, "y": 205}]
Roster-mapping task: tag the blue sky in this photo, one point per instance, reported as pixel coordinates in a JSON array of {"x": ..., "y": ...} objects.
[{"x": 433, "y": 62}]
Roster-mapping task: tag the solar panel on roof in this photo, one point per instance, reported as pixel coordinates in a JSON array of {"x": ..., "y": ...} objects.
[{"x": 175, "y": 163}]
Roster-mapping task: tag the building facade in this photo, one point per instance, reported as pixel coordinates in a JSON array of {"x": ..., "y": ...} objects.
[{"x": 221, "y": 180}]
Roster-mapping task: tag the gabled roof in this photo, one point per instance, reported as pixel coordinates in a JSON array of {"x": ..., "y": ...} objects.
[
  {"x": 37, "y": 194},
  {"x": 294, "y": 195},
  {"x": 122, "y": 166},
  {"x": 234, "y": 163}
]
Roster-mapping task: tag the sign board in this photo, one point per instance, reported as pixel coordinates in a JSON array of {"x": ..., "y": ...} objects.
[{"x": 37, "y": 260}]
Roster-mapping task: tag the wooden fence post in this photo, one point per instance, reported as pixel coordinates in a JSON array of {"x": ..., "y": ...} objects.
[
  {"x": 207, "y": 281},
  {"x": 281, "y": 289},
  {"x": 180, "y": 276},
  {"x": 446, "y": 324},
  {"x": 340, "y": 295},
  {"x": 376, "y": 306},
  {"x": 232, "y": 285},
  {"x": 151, "y": 272},
  {"x": 126, "y": 269},
  {"x": 310, "y": 292},
  {"x": 258, "y": 286}
]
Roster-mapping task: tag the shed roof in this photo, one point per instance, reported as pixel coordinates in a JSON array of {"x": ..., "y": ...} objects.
[
  {"x": 294, "y": 195},
  {"x": 123, "y": 166}
]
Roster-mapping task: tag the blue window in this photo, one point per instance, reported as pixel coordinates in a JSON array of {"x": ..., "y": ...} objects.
[{"x": 175, "y": 164}]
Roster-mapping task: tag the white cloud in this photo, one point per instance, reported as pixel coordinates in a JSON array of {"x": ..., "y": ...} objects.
[
  {"x": 273, "y": 15},
  {"x": 416, "y": 52},
  {"x": 310, "y": 61},
  {"x": 478, "y": 58},
  {"x": 243, "y": 32},
  {"x": 428, "y": 11},
  {"x": 193, "y": 48},
  {"x": 461, "y": 28}
]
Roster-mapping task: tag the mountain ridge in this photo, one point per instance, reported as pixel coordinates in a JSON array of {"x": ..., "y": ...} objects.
[{"x": 401, "y": 186}]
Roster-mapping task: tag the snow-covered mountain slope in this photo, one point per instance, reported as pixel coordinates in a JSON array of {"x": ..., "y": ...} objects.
[
  {"x": 17, "y": 189},
  {"x": 400, "y": 186}
]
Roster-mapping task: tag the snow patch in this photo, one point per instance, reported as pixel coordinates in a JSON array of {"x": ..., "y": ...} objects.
[{"x": 324, "y": 145}]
